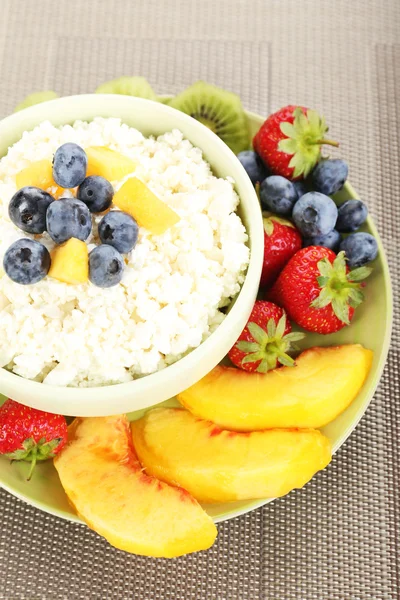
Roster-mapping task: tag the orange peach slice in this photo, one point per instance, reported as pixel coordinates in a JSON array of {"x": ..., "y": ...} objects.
[
  {"x": 39, "y": 174},
  {"x": 70, "y": 262},
  {"x": 110, "y": 164}
]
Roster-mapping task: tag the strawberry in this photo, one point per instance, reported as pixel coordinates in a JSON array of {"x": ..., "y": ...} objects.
[
  {"x": 265, "y": 340},
  {"x": 289, "y": 141},
  {"x": 281, "y": 241},
  {"x": 29, "y": 434},
  {"x": 318, "y": 291}
]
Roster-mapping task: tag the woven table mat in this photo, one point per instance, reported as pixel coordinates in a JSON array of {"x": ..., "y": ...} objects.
[{"x": 338, "y": 539}]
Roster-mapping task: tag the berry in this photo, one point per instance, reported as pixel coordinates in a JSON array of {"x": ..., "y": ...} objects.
[
  {"x": 301, "y": 187},
  {"x": 278, "y": 195},
  {"x": 315, "y": 214},
  {"x": 28, "y": 208},
  {"x": 68, "y": 218},
  {"x": 329, "y": 176},
  {"x": 289, "y": 142},
  {"x": 29, "y": 434},
  {"x": 96, "y": 192},
  {"x": 120, "y": 230},
  {"x": 351, "y": 215},
  {"x": 69, "y": 165},
  {"x": 281, "y": 241},
  {"x": 330, "y": 240},
  {"x": 265, "y": 341},
  {"x": 26, "y": 261},
  {"x": 317, "y": 290},
  {"x": 253, "y": 165},
  {"x": 106, "y": 266},
  {"x": 360, "y": 248}
]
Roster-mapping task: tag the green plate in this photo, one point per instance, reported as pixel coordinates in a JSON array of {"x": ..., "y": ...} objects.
[{"x": 370, "y": 327}]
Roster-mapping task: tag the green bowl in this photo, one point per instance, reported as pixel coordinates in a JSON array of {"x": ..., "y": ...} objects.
[{"x": 371, "y": 327}]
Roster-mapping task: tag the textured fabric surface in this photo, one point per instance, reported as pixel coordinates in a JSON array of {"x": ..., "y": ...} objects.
[{"x": 338, "y": 539}]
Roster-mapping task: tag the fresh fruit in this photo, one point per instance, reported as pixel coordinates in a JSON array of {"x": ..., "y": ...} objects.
[
  {"x": 301, "y": 187},
  {"x": 315, "y": 214},
  {"x": 253, "y": 165},
  {"x": 351, "y": 215},
  {"x": 106, "y": 266},
  {"x": 107, "y": 163},
  {"x": 70, "y": 262},
  {"x": 29, "y": 434},
  {"x": 36, "y": 98},
  {"x": 96, "y": 192},
  {"x": 329, "y": 176},
  {"x": 39, "y": 174},
  {"x": 219, "y": 110},
  {"x": 120, "y": 230},
  {"x": 330, "y": 240},
  {"x": 321, "y": 385},
  {"x": 69, "y": 165},
  {"x": 68, "y": 218},
  {"x": 26, "y": 261},
  {"x": 360, "y": 248},
  {"x": 265, "y": 341},
  {"x": 278, "y": 195},
  {"x": 28, "y": 208},
  {"x": 128, "y": 86},
  {"x": 136, "y": 199},
  {"x": 216, "y": 465},
  {"x": 281, "y": 241},
  {"x": 289, "y": 142},
  {"x": 317, "y": 290},
  {"x": 105, "y": 482}
]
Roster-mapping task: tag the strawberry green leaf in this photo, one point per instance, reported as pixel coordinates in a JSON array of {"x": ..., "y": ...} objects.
[
  {"x": 288, "y": 129},
  {"x": 247, "y": 346},
  {"x": 257, "y": 333},
  {"x": 341, "y": 310},
  {"x": 359, "y": 274},
  {"x": 280, "y": 328},
  {"x": 253, "y": 357},
  {"x": 295, "y": 336},
  {"x": 271, "y": 328},
  {"x": 286, "y": 360},
  {"x": 264, "y": 366}
]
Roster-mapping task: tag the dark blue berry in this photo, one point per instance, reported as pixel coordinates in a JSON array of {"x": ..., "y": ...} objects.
[
  {"x": 253, "y": 165},
  {"x": 301, "y": 187},
  {"x": 315, "y": 214},
  {"x": 329, "y": 176},
  {"x": 69, "y": 165},
  {"x": 26, "y": 261},
  {"x": 28, "y": 208},
  {"x": 330, "y": 240},
  {"x": 68, "y": 218},
  {"x": 120, "y": 230},
  {"x": 360, "y": 248},
  {"x": 96, "y": 192},
  {"x": 351, "y": 215},
  {"x": 278, "y": 195},
  {"x": 106, "y": 266}
]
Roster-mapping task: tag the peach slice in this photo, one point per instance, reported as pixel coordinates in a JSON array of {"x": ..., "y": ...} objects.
[
  {"x": 70, "y": 262},
  {"x": 216, "y": 465},
  {"x": 110, "y": 164},
  {"x": 104, "y": 481},
  {"x": 135, "y": 198},
  {"x": 39, "y": 174},
  {"x": 323, "y": 384}
]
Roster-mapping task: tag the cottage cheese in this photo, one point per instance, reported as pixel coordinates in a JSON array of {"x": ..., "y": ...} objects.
[{"x": 174, "y": 285}]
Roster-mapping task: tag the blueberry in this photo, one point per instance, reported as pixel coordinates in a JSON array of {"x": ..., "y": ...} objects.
[
  {"x": 106, "y": 266},
  {"x": 330, "y": 240},
  {"x": 351, "y": 215},
  {"x": 301, "y": 187},
  {"x": 315, "y": 214},
  {"x": 26, "y": 261},
  {"x": 253, "y": 165},
  {"x": 360, "y": 248},
  {"x": 329, "y": 176},
  {"x": 278, "y": 195},
  {"x": 120, "y": 230},
  {"x": 68, "y": 218},
  {"x": 69, "y": 165},
  {"x": 96, "y": 192},
  {"x": 28, "y": 208}
]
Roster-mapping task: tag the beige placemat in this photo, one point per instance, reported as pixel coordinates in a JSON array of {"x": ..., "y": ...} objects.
[{"x": 339, "y": 538}]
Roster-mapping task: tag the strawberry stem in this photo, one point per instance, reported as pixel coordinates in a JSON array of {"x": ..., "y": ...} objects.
[
  {"x": 328, "y": 143},
  {"x": 33, "y": 463}
]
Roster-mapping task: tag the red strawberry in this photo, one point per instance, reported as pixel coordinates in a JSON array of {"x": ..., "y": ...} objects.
[
  {"x": 318, "y": 291},
  {"x": 265, "y": 340},
  {"x": 289, "y": 141},
  {"x": 281, "y": 241},
  {"x": 29, "y": 434}
]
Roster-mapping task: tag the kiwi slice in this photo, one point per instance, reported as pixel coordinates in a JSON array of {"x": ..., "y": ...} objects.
[
  {"x": 219, "y": 110},
  {"x": 36, "y": 98},
  {"x": 128, "y": 86}
]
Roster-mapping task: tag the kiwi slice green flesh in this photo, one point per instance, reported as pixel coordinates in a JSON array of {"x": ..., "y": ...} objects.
[
  {"x": 36, "y": 98},
  {"x": 219, "y": 110},
  {"x": 128, "y": 86}
]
